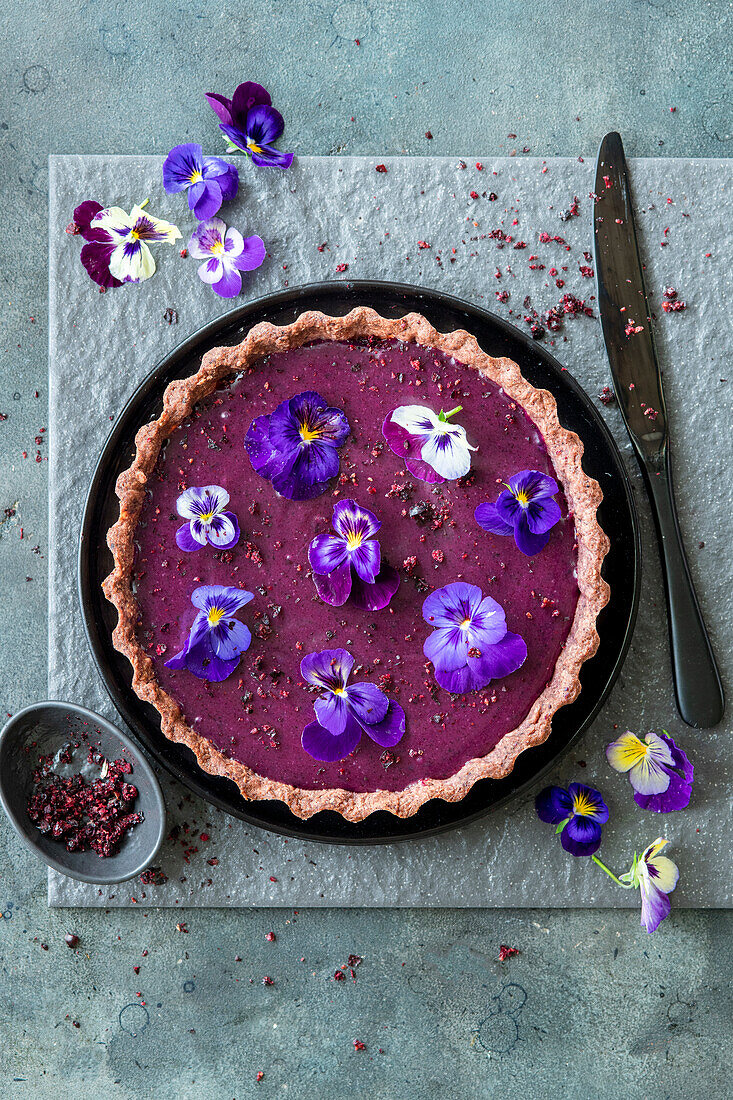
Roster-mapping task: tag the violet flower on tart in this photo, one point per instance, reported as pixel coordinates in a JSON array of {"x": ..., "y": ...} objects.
[{"x": 466, "y": 642}]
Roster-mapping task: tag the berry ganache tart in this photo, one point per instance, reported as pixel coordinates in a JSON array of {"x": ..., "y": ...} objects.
[{"x": 357, "y": 564}]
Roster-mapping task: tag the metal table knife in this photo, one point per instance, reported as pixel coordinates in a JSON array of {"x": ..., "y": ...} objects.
[{"x": 629, "y": 338}]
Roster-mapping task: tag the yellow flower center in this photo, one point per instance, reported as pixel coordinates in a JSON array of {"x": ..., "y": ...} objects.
[
  {"x": 583, "y": 805},
  {"x": 465, "y": 624},
  {"x": 215, "y": 615},
  {"x": 307, "y": 434},
  {"x": 206, "y": 517},
  {"x": 354, "y": 540},
  {"x": 522, "y": 497},
  {"x": 217, "y": 249},
  {"x": 253, "y": 148},
  {"x": 195, "y": 176}
]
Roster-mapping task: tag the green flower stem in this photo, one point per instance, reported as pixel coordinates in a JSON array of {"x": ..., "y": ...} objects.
[
  {"x": 448, "y": 415},
  {"x": 625, "y": 885}
]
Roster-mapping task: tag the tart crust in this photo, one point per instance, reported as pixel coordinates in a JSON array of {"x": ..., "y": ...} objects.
[{"x": 583, "y": 495}]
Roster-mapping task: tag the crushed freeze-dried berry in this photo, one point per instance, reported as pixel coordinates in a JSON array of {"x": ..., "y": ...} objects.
[{"x": 506, "y": 952}]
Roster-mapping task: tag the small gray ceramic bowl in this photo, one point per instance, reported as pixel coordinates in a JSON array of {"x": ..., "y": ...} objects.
[{"x": 44, "y": 728}]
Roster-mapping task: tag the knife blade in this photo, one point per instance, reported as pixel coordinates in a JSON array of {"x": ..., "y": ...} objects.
[{"x": 629, "y": 337}]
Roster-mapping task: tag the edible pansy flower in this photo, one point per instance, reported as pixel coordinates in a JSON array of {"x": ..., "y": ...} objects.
[
  {"x": 349, "y": 562},
  {"x": 656, "y": 877},
  {"x": 344, "y": 712},
  {"x": 525, "y": 509},
  {"x": 131, "y": 260},
  {"x": 208, "y": 522},
  {"x": 96, "y": 253},
  {"x": 296, "y": 446},
  {"x": 434, "y": 450},
  {"x": 210, "y": 181},
  {"x": 470, "y": 645},
  {"x": 578, "y": 813},
  {"x": 659, "y": 771},
  {"x": 216, "y": 640},
  {"x": 225, "y": 253},
  {"x": 251, "y": 124}
]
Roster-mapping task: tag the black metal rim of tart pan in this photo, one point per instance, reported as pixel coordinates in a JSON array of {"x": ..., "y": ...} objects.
[{"x": 617, "y": 515}]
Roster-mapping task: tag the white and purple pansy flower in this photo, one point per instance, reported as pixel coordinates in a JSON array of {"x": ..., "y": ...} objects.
[
  {"x": 251, "y": 124},
  {"x": 470, "y": 645},
  {"x": 577, "y": 813},
  {"x": 216, "y": 640},
  {"x": 130, "y": 260},
  {"x": 208, "y": 521},
  {"x": 209, "y": 181},
  {"x": 656, "y": 877},
  {"x": 659, "y": 771},
  {"x": 296, "y": 446},
  {"x": 433, "y": 448},
  {"x": 99, "y": 246},
  {"x": 348, "y": 563},
  {"x": 525, "y": 509},
  {"x": 344, "y": 712},
  {"x": 225, "y": 253}
]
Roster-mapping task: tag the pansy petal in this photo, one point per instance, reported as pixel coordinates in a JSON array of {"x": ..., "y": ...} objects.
[
  {"x": 663, "y": 873},
  {"x": 220, "y": 595},
  {"x": 211, "y": 270},
  {"x": 350, "y": 518},
  {"x": 180, "y": 168},
  {"x": 508, "y": 507},
  {"x": 153, "y": 229},
  {"x": 132, "y": 262},
  {"x": 368, "y": 702},
  {"x": 587, "y": 802},
  {"x": 423, "y": 471},
  {"x": 448, "y": 453},
  {"x": 625, "y": 752},
  {"x": 313, "y": 467},
  {"x": 655, "y": 906},
  {"x": 223, "y": 531},
  {"x": 366, "y": 560},
  {"x": 84, "y": 213},
  {"x": 332, "y": 711},
  {"x": 375, "y": 597},
  {"x": 326, "y": 553},
  {"x": 185, "y": 539},
  {"x": 205, "y": 199},
  {"x": 235, "y": 135},
  {"x": 264, "y": 125},
  {"x": 221, "y": 106},
  {"x": 418, "y": 420},
  {"x": 266, "y": 459},
  {"x": 229, "y": 284},
  {"x": 553, "y": 805},
  {"x": 451, "y": 605},
  {"x": 649, "y": 777},
  {"x": 542, "y": 515},
  {"x": 334, "y": 588},
  {"x": 532, "y": 484},
  {"x": 581, "y": 836},
  {"x": 487, "y": 516},
  {"x": 399, "y": 440},
  {"x": 676, "y": 797},
  {"x": 251, "y": 255},
  {"x": 230, "y": 639},
  {"x": 329, "y": 668},
  {"x": 447, "y": 648},
  {"x": 324, "y": 746},
  {"x": 95, "y": 259},
  {"x": 270, "y": 157},
  {"x": 488, "y": 623},
  {"x": 115, "y": 220},
  {"x": 228, "y": 181},
  {"x": 248, "y": 95},
  {"x": 391, "y": 729},
  {"x": 203, "y": 662},
  {"x": 529, "y": 543},
  {"x": 461, "y": 680},
  {"x": 498, "y": 659},
  {"x": 206, "y": 237}
]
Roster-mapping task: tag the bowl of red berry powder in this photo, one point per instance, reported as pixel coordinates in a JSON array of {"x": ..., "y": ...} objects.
[{"x": 79, "y": 793}]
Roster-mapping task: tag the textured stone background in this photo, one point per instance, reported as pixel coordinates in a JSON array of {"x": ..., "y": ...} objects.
[{"x": 592, "y": 1006}]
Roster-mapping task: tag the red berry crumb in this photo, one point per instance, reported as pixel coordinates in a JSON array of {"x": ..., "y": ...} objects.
[
  {"x": 358, "y": 1045},
  {"x": 381, "y": 168},
  {"x": 506, "y": 952}
]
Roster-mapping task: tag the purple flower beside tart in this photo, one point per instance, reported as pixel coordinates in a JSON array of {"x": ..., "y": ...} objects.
[{"x": 440, "y": 653}]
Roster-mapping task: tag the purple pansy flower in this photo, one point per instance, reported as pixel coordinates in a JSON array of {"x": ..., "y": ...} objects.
[
  {"x": 216, "y": 640},
  {"x": 525, "y": 509},
  {"x": 434, "y": 450},
  {"x": 296, "y": 446},
  {"x": 96, "y": 253},
  {"x": 656, "y": 877},
  {"x": 344, "y": 713},
  {"x": 578, "y": 813},
  {"x": 470, "y": 645},
  {"x": 251, "y": 124},
  {"x": 210, "y": 181},
  {"x": 349, "y": 563},
  {"x": 225, "y": 253},
  {"x": 204, "y": 508},
  {"x": 659, "y": 771}
]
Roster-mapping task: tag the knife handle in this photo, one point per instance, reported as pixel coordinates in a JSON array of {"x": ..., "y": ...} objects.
[{"x": 697, "y": 685}]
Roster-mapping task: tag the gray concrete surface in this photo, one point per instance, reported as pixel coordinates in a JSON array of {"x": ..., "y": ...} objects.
[{"x": 592, "y": 1007}]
